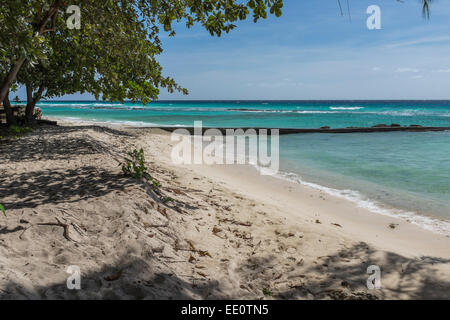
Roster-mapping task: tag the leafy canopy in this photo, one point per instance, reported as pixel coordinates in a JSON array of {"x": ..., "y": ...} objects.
[{"x": 114, "y": 53}]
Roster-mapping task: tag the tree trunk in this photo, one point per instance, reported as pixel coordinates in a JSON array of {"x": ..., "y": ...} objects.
[
  {"x": 10, "y": 119},
  {"x": 31, "y": 103},
  {"x": 29, "y": 112},
  {"x": 9, "y": 79}
]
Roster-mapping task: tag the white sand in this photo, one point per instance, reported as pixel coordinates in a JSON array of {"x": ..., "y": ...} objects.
[{"x": 225, "y": 231}]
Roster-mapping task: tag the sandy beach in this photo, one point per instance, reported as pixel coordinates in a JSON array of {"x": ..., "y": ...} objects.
[{"x": 209, "y": 232}]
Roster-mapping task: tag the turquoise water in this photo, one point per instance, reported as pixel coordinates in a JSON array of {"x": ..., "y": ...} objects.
[
  {"x": 401, "y": 173},
  {"x": 393, "y": 170},
  {"x": 275, "y": 114}
]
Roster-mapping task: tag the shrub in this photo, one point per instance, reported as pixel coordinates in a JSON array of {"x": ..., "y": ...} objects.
[
  {"x": 16, "y": 130},
  {"x": 267, "y": 292},
  {"x": 2, "y": 209},
  {"x": 134, "y": 166},
  {"x": 167, "y": 199},
  {"x": 13, "y": 132}
]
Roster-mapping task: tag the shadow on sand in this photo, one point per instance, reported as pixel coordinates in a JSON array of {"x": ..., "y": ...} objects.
[
  {"x": 31, "y": 189},
  {"x": 342, "y": 275},
  {"x": 417, "y": 279},
  {"x": 45, "y": 144},
  {"x": 138, "y": 278}
]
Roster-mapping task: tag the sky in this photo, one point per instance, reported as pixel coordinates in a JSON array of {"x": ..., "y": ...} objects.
[{"x": 312, "y": 52}]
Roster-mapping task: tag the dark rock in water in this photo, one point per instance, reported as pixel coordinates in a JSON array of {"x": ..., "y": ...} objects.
[
  {"x": 380, "y": 126},
  {"x": 415, "y": 125},
  {"x": 245, "y": 109},
  {"x": 48, "y": 122},
  {"x": 395, "y": 125},
  {"x": 325, "y": 127}
]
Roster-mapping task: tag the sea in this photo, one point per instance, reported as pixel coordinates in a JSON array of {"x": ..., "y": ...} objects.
[{"x": 400, "y": 174}]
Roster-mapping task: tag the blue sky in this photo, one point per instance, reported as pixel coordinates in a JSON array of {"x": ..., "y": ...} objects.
[{"x": 312, "y": 52}]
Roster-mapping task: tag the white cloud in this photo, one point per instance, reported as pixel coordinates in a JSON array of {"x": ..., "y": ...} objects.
[
  {"x": 417, "y": 77},
  {"x": 442, "y": 70},
  {"x": 420, "y": 41},
  {"x": 402, "y": 70},
  {"x": 376, "y": 69}
]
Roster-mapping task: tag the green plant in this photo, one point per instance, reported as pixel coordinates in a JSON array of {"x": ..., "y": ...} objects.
[
  {"x": 167, "y": 199},
  {"x": 2, "y": 209},
  {"x": 267, "y": 292},
  {"x": 16, "y": 130},
  {"x": 134, "y": 166}
]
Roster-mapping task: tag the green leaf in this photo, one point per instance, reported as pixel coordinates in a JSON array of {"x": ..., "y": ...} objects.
[
  {"x": 114, "y": 54},
  {"x": 2, "y": 209}
]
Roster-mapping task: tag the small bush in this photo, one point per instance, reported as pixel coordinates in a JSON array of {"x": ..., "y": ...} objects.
[
  {"x": 134, "y": 166},
  {"x": 13, "y": 132},
  {"x": 2, "y": 209},
  {"x": 167, "y": 199},
  {"x": 267, "y": 292},
  {"x": 16, "y": 130}
]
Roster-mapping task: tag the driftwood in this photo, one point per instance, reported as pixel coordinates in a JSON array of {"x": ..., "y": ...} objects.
[{"x": 58, "y": 223}]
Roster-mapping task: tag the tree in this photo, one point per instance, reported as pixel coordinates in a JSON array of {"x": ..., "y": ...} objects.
[
  {"x": 24, "y": 25},
  {"x": 10, "y": 119},
  {"x": 30, "y": 25},
  {"x": 120, "y": 67}
]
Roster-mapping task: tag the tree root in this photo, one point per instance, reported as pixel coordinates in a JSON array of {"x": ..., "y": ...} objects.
[{"x": 57, "y": 224}]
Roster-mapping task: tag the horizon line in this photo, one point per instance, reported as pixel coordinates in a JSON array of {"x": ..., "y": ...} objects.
[{"x": 235, "y": 100}]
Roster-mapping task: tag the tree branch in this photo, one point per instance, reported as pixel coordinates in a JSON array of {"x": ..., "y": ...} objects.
[
  {"x": 53, "y": 10},
  {"x": 38, "y": 94}
]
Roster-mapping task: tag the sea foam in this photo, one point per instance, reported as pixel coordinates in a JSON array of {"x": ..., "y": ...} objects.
[{"x": 428, "y": 223}]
